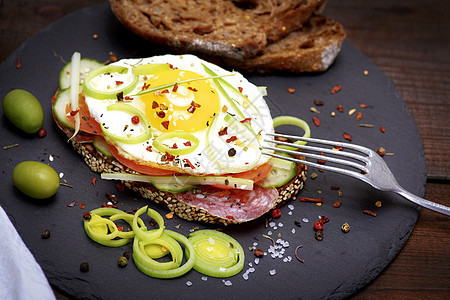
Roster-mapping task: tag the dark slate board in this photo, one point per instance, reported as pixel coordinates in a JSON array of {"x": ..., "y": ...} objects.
[{"x": 334, "y": 268}]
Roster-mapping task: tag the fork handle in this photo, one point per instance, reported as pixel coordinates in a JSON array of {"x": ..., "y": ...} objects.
[{"x": 424, "y": 203}]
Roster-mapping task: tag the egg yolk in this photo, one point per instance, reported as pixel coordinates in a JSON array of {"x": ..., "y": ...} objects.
[{"x": 185, "y": 107}]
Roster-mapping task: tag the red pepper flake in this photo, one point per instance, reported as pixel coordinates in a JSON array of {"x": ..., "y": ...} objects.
[
  {"x": 74, "y": 112},
  {"x": 120, "y": 187},
  {"x": 72, "y": 204},
  {"x": 383, "y": 130},
  {"x": 318, "y": 102},
  {"x": 145, "y": 86},
  {"x": 82, "y": 205},
  {"x": 135, "y": 120},
  {"x": 223, "y": 131},
  {"x": 335, "y": 188},
  {"x": 119, "y": 96},
  {"x": 276, "y": 213},
  {"x": 109, "y": 205},
  {"x": 155, "y": 105},
  {"x": 340, "y": 108},
  {"x": 161, "y": 114},
  {"x": 193, "y": 107},
  {"x": 94, "y": 180},
  {"x": 165, "y": 91},
  {"x": 324, "y": 219},
  {"x": 149, "y": 148},
  {"x": 369, "y": 212},
  {"x": 174, "y": 146},
  {"x": 240, "y": 89},
  {"x": 42, "y": 132},
  {"x": 119, "y": 82},
  {"x": 187, "y": 144},
  {"x": 291, "y": 90},
  {"x": 189, "y": 163},
  {"x": 337, "y": 204},
  {"x": 316, "y": 121},
  {"x": 120, "y": 228},
  {"x": 128, "y": 98},
  {"x": 112, "y": 57},
  {"x": 175, "y": 87},
  {"x": 229, "y": 217},
  {"x": 231, "y": 139},
  {"x": 246, "y": 120},
  {"x": 314, "y": 200},
  {"x": 358, "y": 115},
  {"x": 192, "y": 89},
  {"x": 169, "y": 157},
  {"x": 321, "y": 161},
  {"x": 364, "y": 105},
  {"x": 87, "y": 216},
  {"x": 19, "y": 64},
  {"x": 165, "y": 124},
  {"x": 336, "y": 89},
  {"x": 111, "y": 198},
  {"x": 347, "y": 136}
]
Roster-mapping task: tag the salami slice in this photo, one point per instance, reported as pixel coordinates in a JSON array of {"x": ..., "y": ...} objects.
[{"x": 235, "y": 205}]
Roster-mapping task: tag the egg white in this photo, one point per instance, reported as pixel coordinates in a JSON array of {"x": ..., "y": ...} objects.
[{"x": 212, "y": 159}]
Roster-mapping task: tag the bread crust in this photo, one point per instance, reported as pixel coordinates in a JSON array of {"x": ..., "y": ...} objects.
[
  {"x": 99, "y": 163},
  {"x": 216, "y": 27}
]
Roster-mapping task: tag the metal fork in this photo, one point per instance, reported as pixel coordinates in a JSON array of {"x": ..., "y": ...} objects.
[{"x": 370, "y": 167}]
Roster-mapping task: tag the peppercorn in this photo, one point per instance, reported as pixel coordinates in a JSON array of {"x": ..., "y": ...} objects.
[
  {"x": 318, "y": 225},
  {"x": 345, "y": 227},
  {"x": 381, "y": 151},
  {"x": 259, "y": 253},
  {"x": 319, "y": 235},
  {"x": 126, "y": 254},
  {"x": 276, "y": 213},
  {"x": 45, "y": 234},
  {"x": 123, "y": 261},
  {"x": 42, "y": 132},
  {"x": 84, "y": 267}
]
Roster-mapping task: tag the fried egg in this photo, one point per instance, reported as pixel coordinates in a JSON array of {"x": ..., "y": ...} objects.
[{"x": 199, "y": 118}]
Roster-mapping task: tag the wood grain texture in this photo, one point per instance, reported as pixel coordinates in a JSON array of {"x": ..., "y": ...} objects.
[{"x": 409, "y": 40}]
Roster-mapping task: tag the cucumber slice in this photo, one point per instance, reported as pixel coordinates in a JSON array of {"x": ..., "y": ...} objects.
[
  {"x": 102, "y": 146},
  {"x": 59, "y": 108},
  {"x": 173, "y": 187},
  {"x": 86, "y": 65},
  {"x": 278, "y": 176}
]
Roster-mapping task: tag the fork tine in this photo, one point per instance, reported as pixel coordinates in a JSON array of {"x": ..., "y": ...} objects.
[
  {"x": 323, "y": 142},
  {"x": 319, "y": 166},
  {"x": 320, "y": 157}
]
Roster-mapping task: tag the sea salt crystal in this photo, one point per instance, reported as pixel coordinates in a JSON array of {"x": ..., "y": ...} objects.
[
  {"x": 245, "y": 276},
  {"x": 50, "y": 158},
  {"x": 272, "y": 272},
  {"x": 251, "y": 270},
  {"x": 61, "y": 175},
  {"x": 269, "y": 233},
  {"x": 291, "y": 207},
  {"x": 290, "y": 213},
  {"x": 305, "y": 220},
  {"x": 188, "y": 283},
  {"x": 280, "y": 224},
  {"x": 256, "y": 260},
  {"x": 204, "y": 278},
  {"x": 293, "y": 230},
  {"x": 227, "y": 283},
  {"x": 272, "y": 224}
]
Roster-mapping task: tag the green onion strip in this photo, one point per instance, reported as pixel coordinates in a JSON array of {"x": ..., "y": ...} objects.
[
  {"x": 289, "y": 120},
  {"x": 210, "y": 252}
]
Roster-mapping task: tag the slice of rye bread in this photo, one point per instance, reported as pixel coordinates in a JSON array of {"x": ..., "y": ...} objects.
[
  {"x": 313, "y": 48},
  {"x": 99, "y": 163},
  {"x": 226, "y": 28}
]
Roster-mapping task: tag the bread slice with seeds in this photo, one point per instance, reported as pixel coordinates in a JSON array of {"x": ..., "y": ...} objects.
[
  {"x": 99, "y": 163},
  {"x": 237, "y": 29}
]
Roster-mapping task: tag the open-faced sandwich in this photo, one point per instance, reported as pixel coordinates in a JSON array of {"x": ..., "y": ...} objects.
[{"x": 181, "y": 131}]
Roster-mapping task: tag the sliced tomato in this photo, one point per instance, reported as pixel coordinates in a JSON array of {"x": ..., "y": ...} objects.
[
  {"x": 137, "y": 167},
  {"x": 87, "y": 123},
  {"x": 256, "y": 174}
]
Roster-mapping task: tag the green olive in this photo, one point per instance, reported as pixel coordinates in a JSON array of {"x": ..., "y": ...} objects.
[
  {"x": 36, "y": 179},
  {"x": 23, "y": 110}
]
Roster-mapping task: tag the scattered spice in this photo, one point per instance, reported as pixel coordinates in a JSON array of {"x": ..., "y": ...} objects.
[
  {"x": 340, "y": 108},
  {"x": 42, "y": 133},
  {"x": 10, "y": 146},
  {"x": 123, "y": 261},
  {"x": 19, "y": 64},
  {"x": 72, "y": 204},
  {"x": 314, "y": 110},
  {"x": 169, "y": 216},
  {"x": 259, "y": 253},
  {"x": 369, "y": 212},
  {"x": 383, "y": 130},
  {"x": 165, "y": 124},
  {"x": 347, "y": 136},
  {"x": 95, "y": 36},
  {"x": 381, "y": 151},
  {"x": 296, "y": 255},
  {"x": 94, "y": 180},
  {"x": 135, "y": 120},
  {"x": 358, "y": 115},
  {"x": 112, "y": 57},
  {"x": 318, "y": 103},
  {"x": 337, "y": 204},
  {"x": 82, "y": 206},
  {"x": 119, "y": 96},
  {"x": 87, "y": 216},
  {"x": 318, "y": 225},
  {"x": 246, "y": 120},
  {"x": 45, "y": 234},
  {"x": 111, "y": 198},
  {"x": 336, "y": 89},
  {"x": 84, "y": 267},
  {"x": 291, "y": 90},
  {"x": 345, "y": 227},
  {"x": 316, "y": 121},
  {"x": 378, "y": 203},
  {"x": 276, "y": 213},
  {"x": 120, "y": 187},
  {"x": 364, "y": 105},
  {"x": 319, "y": 235},
  {"x": 223, "y": 131},
  {"x": 314, "y": 200},
  {"x": 335, "y": 188}
]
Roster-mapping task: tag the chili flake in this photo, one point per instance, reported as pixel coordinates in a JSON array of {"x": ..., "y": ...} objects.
[
  {"x": 189, "y": 163},
  {"x": 318, "y": 103},
  {"x": 82, "y": 205},
  {"x": 316, "y": 121},
  {"x": 337, "y": 204},
  {"x": 193, "y": 107},
  {"x": 175, "y": 87},
  {"x": 128, "y": 98},
  {"x": 187, "y": 144},
  {"x": 192, "y": 89},
  {"x": 347, "y": 136},
  {"x": 135, "y": 120},
  {"x": 291, "y": 90},
  {"x": 111, "y": 198},
  {"x": 246, "y": 120},
  {"x": 145, "y": 86},
  {"x": 383, "y": 130},
  {"x": 231, "y": 139},
  {"x": 364, "y": 105},
  {"x": 112, "y": 57},
  {"x": 340, "y": 108},
  {"x": 119, "y": 96},
  {"x": 149, "y": 148},
  {"x": 74, "y": 112},
  {"x": 336, "y": 89},
  {"x": 155, "y": 105},
  {"x": 276, "y": 213},
  {"x": 369, "y": 212},
  {"x": 358, "y": 115},
  {"x": 240, "y": 89},
  {"x": 19, "y": 64},
  {"x": 118, "y": 82},
  {"x": 165, "y": 124},
  {"x": 314, "y": 200},
  {"x": 223, "y": 131},
  {"x": 161, "y": 114}
]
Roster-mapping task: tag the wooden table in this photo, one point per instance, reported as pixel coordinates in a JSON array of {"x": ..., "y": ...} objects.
[{"x": 410, "y": 41}]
